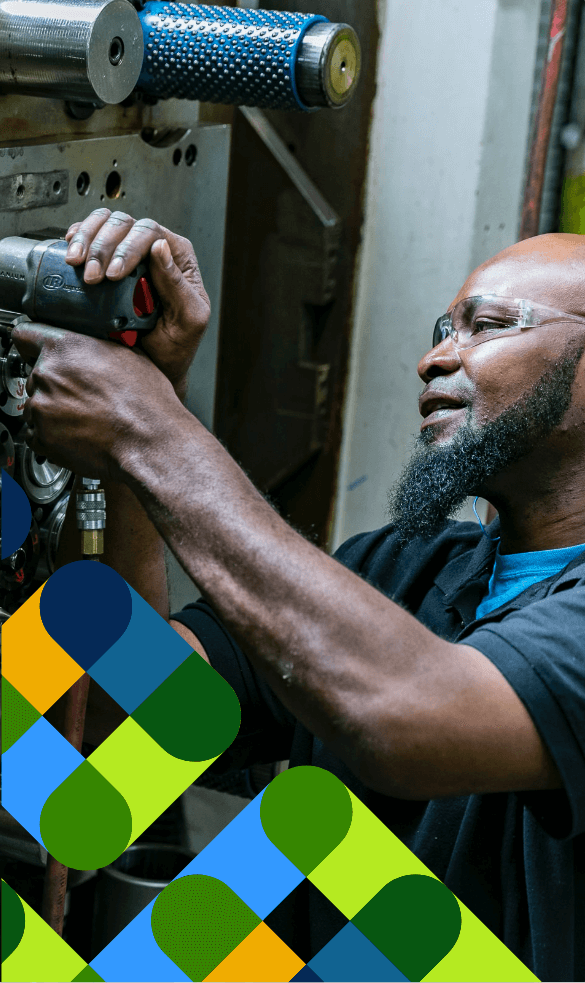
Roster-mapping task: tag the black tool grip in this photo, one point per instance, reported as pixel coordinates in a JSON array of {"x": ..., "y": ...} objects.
[{"x": 57, "y": 294}]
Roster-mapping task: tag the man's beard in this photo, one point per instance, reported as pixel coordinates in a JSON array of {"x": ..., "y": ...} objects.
[{"x": 438, "y": 479}]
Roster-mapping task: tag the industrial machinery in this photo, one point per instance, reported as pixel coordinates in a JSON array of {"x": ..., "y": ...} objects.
[
  {"x": 95, "y": 53},
  {"x": 102, "y": 52},
  {"x": 99, "y": 103}
]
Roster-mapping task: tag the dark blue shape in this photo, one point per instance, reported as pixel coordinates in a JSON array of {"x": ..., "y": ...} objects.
[
  {"x": 306, "y": 975},
  {"x": 86, "y": 608},
  {"x": 16, "y": 515}
]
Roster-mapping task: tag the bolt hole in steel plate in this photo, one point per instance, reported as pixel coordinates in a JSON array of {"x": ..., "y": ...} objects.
[
  {"x": 190, "y": 155},
  {"x": 177, "y": 156},
  {"x": 83, "y": 183},
  {"x": 113, "y": 184}
]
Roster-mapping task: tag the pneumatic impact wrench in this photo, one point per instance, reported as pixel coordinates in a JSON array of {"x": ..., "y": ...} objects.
[{"x": 37, "y": 284}]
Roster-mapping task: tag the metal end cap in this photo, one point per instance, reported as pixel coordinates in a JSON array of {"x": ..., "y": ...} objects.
[{"x": 328, "y": 65}]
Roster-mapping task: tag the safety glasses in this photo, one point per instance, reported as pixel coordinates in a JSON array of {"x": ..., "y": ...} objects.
[{"x": 475, "y": 320}]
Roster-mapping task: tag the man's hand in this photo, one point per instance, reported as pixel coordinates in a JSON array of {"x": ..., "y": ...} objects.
[
  {"x": 92, "y": 403},
  {"x": 111, "y": 244}
]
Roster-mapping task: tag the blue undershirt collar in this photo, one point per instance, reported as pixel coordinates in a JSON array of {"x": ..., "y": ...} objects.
[{"x": 514, "y": 572}]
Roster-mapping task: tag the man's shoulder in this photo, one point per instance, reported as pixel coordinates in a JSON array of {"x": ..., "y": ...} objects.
[{"x": 370, "y": 552}]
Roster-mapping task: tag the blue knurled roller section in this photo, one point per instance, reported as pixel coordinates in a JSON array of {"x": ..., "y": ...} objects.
[{"x": 223, "y": 54}]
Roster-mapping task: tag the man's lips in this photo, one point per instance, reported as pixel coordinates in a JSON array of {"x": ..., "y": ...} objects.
[{"x": 430, "y": 402}]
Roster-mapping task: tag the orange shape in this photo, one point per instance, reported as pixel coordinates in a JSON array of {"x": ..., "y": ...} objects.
[
  {"x": 32, "y": 661},
  {"x": 261, "y": 958}
]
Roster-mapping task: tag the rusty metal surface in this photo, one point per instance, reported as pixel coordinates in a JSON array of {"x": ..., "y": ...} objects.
[{"x": 23, "y": 191}]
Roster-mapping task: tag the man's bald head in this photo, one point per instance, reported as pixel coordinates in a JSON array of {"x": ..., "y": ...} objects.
[
  {"x": 548, "y": 269},
  {"x": 510, "y": 412}
]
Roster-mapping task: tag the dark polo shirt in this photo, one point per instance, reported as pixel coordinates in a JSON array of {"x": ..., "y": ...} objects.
[{"x": 516, "y": 860}]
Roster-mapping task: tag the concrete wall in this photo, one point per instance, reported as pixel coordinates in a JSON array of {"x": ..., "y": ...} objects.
[{"x": 444, "y": 190}]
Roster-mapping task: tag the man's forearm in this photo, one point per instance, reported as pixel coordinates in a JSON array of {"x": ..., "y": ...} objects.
[{"x": 351, "y": 665}]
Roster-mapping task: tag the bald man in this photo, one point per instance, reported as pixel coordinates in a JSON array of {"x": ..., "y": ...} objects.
[{"x": 438, "y": 670}]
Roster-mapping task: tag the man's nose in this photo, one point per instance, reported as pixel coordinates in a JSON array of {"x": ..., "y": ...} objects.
[{"x": 441, "y": 360}]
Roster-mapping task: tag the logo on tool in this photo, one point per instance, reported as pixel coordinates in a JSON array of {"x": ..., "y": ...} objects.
[{"x": 53, "y": 281}]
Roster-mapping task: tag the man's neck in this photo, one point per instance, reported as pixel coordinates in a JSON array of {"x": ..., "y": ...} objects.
[{"x": 540, "y": 513}]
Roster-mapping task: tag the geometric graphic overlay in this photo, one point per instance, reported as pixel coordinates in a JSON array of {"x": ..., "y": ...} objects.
[
  {"x": 415, "y": 921},
  {"x": 145, "y": 655},
  {"x": 41, "y": 956},
  {"x": 306, "y": 814},
  {"x": 85, "y": 822},
  {"x": 261, "y": 957},
  {"x": 183, "y": 730},
  {"x": 36, "y": 764},
  {"x": 12, "y": 921},
  {"x": 32, "y": 661},
  {"x": 350, "y": 956},
  {"x": 85, "y": 608},
  {"x": 87, "y": 812},
  {"x": 198, "y": 921},
  {"x": 17, "y": 715},
  {"x": 439, "y": 934},
  {"x": 16, "y": 515},
  {"x": 210, "y": 922}
]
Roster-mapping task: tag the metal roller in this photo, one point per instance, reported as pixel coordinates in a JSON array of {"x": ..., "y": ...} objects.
[
  {"x": 245, "y": 57},
  {"x": 79, "y": 50},
  {"x": 42, "y": 481}
]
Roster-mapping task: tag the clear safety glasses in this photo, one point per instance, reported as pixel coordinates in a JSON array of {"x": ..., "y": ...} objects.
[{"x": 477, "y": 319}]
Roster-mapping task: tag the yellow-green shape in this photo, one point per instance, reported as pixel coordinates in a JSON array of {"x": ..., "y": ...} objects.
[
  {"x": 42, "y": 956},
  {"x": 479, "y": 957},
  {"x": 369, "y": 857},
  {"x": 149, "y": 779},
  {"x": 364, "y": 862},
  {"x": 572, "y": 217}
]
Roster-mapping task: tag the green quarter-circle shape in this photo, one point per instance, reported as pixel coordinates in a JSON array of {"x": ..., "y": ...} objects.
[
  {"x": 86, "y": 823},
  {"x": 306, "y": 812},
  {"x": 13, "y": 920},
  {"x": 194, "y": 714},
  {"x": 414, "y": 920},
  {"x": 197, "y": 921}
]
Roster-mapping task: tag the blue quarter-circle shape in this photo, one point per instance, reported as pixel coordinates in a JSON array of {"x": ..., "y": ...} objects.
[
  {"x": 86, "y": 607},
  {"x": 16, "y": 515}
]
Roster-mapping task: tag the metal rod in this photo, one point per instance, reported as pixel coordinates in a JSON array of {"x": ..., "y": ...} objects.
[
  {"x": 55, "y": 883},
  {"x": 549, "y": 84},
  {"x": 91, "y": 518}
]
